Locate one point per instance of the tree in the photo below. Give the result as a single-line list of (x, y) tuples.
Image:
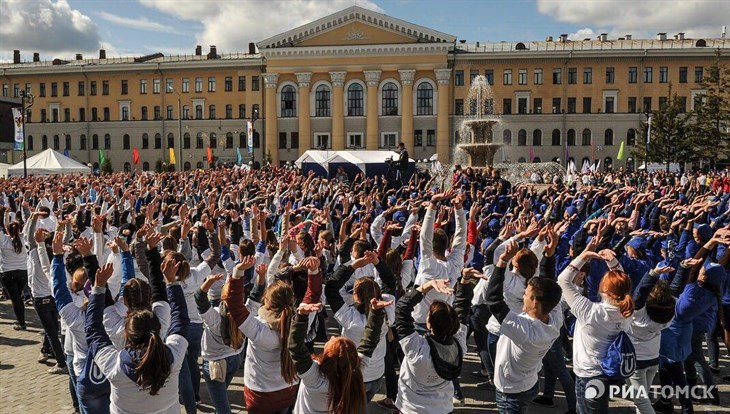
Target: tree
[(711, 114), (106, 166), (158, 165)]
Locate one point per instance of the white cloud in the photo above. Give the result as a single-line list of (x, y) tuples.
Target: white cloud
[(696, 18), (581, 34), (141, 23), (232, 25), (46, 26)]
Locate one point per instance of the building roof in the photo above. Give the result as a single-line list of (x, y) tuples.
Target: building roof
[(593, 45)]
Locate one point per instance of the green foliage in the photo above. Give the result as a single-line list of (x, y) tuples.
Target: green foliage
[(711, 115), (106, 166), (158, 165)]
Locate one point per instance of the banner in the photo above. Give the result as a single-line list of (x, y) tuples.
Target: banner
[(620, 155), (67, 153), (249, 133), (210, 155), (135, 156), (18, 121), (648, 130), (172, 155), (239, 157), (102, 158)]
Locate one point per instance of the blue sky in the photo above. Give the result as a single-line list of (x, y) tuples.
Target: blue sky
[(60, 28)]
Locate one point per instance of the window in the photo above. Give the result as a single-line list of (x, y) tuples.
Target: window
[(242, 140), (557, 76), (254, 111), (241, 83), (44, 142), (54, 89), (521, 105), (288, 102), (144, 113), (158, 140), (556, 106), (68, 142), (648, 72), (213, 141), (522, 77), (390, 99), (506, 106), (459, 107), (354, 140), (522, 138), (56, 143), (294, 144), (156, 83), (355, 100), (211, 84), (170, 140), (663, 102), (282, 140), (229, 140), (211, 111), (507, 77), (145, 141), (228, 84), (257, 139), (663, 74), (125, 87), (229, 111), (388, 140), (82, 114), (199, 140), (647, 105), (94, 114), (54, 115), (459, 78), (107, 141), (94, 142), (169, 85), (125, 141), (92, 92), (587, 75), (125, 113), (610, 75), (609, 105), (572, 75), (186, 112), (82, 88), (28, 89), (489, 74), (556, 138), (608, 137), (105, 87), (16, 90), (683, 74), (186, 140), (537, 105), (537, 138), (586, 137), (537, 77), (158, 113), (66, 89), (571, 138), (198, 111), (632, 105), (106, 113), (631, 137), (254, 83), (507, 137), (682, 104), (431, 137), (241, 111), (633, 74), (169, 112), (198, 85), (587, 105), (186, 85), (82, 142), (66, 115), (424, 99), (699, 74), (322, 101), (473, 75), (145, 166), (41, 92), (418, 138)]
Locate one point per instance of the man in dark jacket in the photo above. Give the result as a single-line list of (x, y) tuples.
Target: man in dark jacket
[(402, 165)]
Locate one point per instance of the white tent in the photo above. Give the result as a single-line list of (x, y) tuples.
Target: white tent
[(4, 170), (315, 156), (49, 162), (360, 158)]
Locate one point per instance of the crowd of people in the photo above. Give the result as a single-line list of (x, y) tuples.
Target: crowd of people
[(146, 282)]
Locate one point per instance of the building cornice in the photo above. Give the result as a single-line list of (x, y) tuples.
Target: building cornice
[(357, 50)]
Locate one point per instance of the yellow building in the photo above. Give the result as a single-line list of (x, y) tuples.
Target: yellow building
[(357, 79)]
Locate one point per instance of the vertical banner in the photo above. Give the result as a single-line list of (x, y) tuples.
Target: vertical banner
[(249, 133), (18, 121)]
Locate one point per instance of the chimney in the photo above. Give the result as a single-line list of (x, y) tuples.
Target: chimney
[(549, 39), (252, 48), (603, 37), (79, 56), (16, 56), (563, 38), (198, 50), (628, 37), (661, 36), (213, 54), (477, 44), (680, 35), (102, 54), (36, 57), (676, 37)]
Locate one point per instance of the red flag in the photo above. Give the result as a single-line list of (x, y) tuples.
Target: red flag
[(135, 156), (532, 154), (210, 156)]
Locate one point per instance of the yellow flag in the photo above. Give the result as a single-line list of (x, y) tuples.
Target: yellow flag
[(172, 155), (620, 155)]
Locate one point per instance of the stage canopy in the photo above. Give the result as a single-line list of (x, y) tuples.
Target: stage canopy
[(49, 162)]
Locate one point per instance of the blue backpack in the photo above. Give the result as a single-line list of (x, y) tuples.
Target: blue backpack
[(620, 360)]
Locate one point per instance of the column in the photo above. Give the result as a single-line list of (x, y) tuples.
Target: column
[(406, 116), (305, 134), (372, 79), (272, 128), (443, 139), (338, 110)]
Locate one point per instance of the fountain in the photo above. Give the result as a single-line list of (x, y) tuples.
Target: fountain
[(476, 137)]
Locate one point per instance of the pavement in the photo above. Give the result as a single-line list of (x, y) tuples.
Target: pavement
[(26, 387)]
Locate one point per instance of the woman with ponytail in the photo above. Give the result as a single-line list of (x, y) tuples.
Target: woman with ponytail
[(597, 324), (14, 270)]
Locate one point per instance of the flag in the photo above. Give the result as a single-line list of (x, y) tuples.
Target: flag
[(620, 155), (648, 130), (532, 154), (135, 156), (18, 121), (586, 167), (210, 155), (172, 155), (239, 157), (102, 157), (249, 132), (66, 153)]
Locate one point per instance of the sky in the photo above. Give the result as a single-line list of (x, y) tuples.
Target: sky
[(62, 28)]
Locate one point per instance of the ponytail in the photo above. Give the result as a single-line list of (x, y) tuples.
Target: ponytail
[(340, 363), (14, 233), (616, 287), (626, 306), (235, 334), (142, 332), (288, 369)]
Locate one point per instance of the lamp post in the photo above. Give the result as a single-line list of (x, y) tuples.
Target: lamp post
[(26, 100), (647, 114), (179, 128)]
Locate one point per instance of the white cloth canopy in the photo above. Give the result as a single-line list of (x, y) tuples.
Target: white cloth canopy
[(49, 162), (4, 170), (360, 158), (315, 156)]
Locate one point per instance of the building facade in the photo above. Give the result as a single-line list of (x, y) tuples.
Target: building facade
[(358, 79)]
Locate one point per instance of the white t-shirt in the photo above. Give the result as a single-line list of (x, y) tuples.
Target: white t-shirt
[(314, 388), (646, 335)]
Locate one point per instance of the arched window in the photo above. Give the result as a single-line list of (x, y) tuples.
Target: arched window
[(229, 140), (608, 137), (536, 159), (521, 160), (213, 141), (158, 140), (322, 101), (507, 137), (522, 138), (608, 164), (186, 166), (145, 141), (424, 99), (571, 137), (82, 142), (127, 167), (586, 137), (354, 100), (211, 112), (56, 143), (256, 139), (537, 138), (145, 166), (44, 142), (170, 140), (288, 102), (29, 141), (107, 141), (390, 99), (199, 165), (556, 137), (242, 140), (631, 137), (186, 140), (94, 141), (68, 142), (199, 140), (125, 141)]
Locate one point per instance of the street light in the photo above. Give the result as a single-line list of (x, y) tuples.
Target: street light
[(26, 102), (647, 114), (179, 127)]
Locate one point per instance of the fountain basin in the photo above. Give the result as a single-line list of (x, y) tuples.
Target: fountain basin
[(480, 155)]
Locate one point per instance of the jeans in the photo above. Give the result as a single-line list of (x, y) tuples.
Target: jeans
[(218, 391), (713, 345), (391, 363), (492, 347), (72, 380), (597, 388), (672, 373), (46, 309), (14, 281), (372, 388), (479, 318), (516, 403), (641, 382), (189, 378), (696, 361), (554, 367)]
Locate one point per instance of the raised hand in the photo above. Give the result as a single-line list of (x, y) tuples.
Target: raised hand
[(660, 270), (170, 269), (376, 304), (40, 235), (83, 245), (439, 285), (691, 262), (510, 251), (210, 280), (121, 243), (261, 269), (607, 255), (246, 263), (153, 239), (307, 308), (103, 274), (57, 245)]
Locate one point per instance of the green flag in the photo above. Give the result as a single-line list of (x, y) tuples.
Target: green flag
[(102, 157), (239, 157), (620, 155)]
